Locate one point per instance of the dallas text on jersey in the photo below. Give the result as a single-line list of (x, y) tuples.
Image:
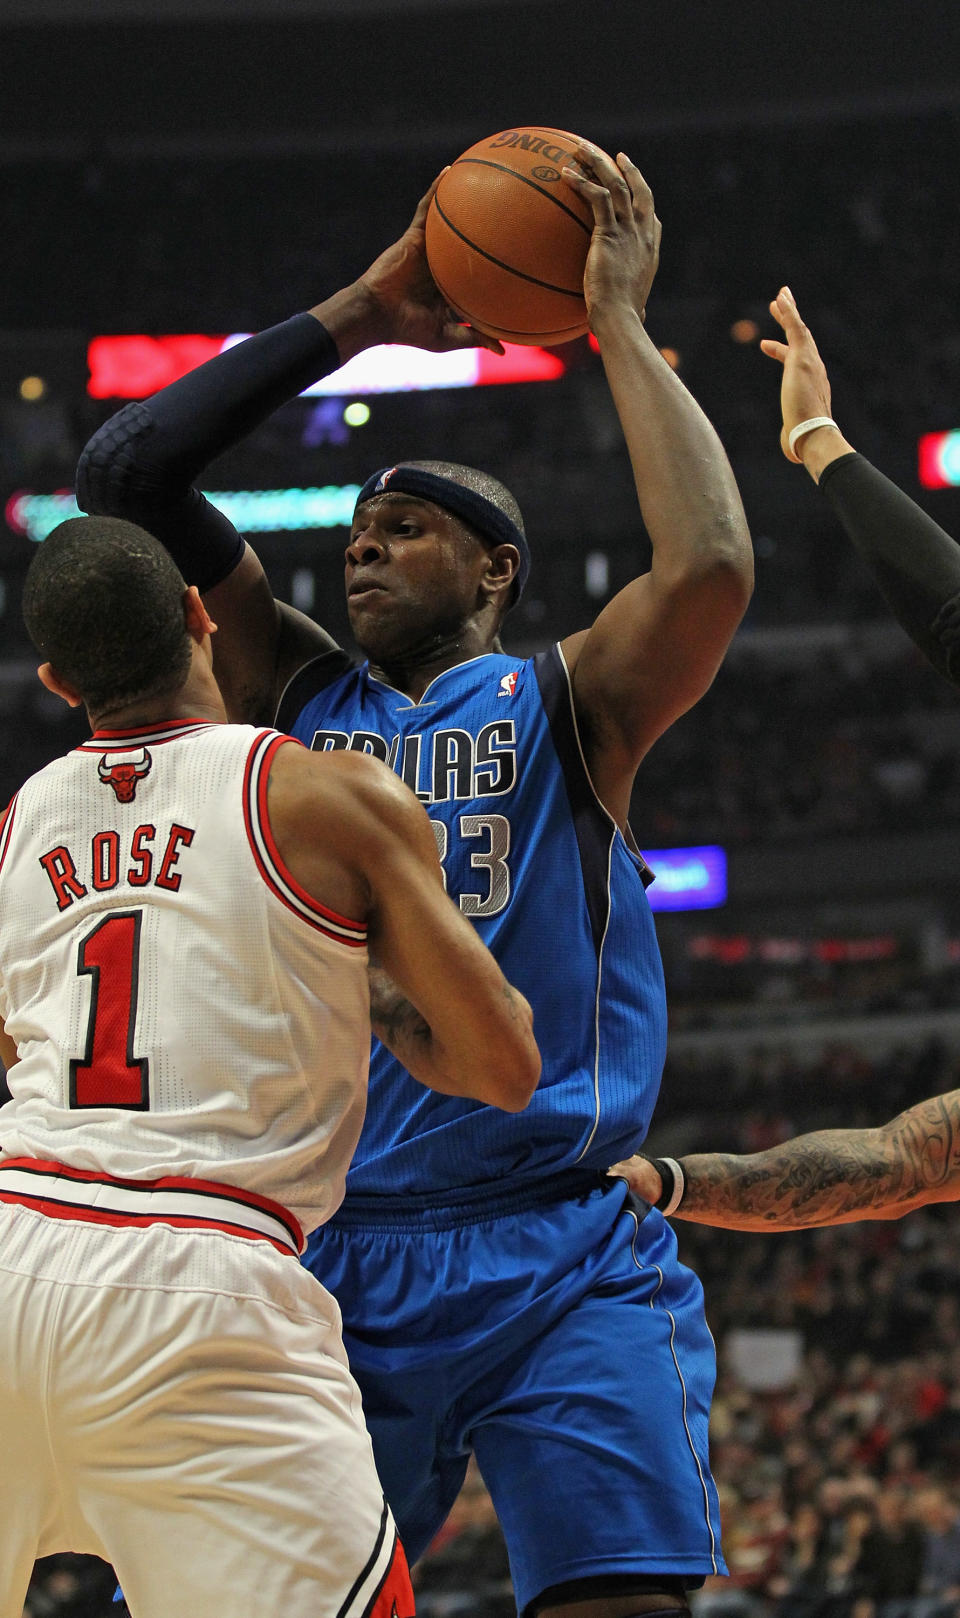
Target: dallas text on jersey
[(454, 765)]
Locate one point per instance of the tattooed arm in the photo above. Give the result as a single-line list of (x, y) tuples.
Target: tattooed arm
[(832, 1177), (409, 1037), (396, 1023)]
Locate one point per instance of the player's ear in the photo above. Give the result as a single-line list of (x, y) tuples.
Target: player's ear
[(503, 562), (48, 676), (196, 616)]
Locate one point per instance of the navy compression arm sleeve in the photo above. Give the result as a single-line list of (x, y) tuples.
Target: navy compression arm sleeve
[(142, 462), (914, 561)]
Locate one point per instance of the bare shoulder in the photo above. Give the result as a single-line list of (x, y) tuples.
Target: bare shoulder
[(344, 826), (349, 799)]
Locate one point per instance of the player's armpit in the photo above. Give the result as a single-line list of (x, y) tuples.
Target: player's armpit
[(260, 642), (300, 640), (651, 654), (358, 840)]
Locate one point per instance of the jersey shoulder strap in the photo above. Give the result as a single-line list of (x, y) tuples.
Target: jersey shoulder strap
[(556, 694), (6, 827)]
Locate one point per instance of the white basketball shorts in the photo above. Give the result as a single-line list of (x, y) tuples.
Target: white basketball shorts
[(178, 1402)]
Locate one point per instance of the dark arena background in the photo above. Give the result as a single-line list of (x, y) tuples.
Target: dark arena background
[(207, 168)]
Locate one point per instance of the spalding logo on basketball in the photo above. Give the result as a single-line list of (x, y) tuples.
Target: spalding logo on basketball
[(507, 238)]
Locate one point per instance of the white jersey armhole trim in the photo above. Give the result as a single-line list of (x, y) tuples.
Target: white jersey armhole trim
[(7, 830), (280, 881)]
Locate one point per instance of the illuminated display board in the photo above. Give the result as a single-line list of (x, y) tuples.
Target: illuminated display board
[(252, 511), (133, 367), (687, 878), (938, 456)]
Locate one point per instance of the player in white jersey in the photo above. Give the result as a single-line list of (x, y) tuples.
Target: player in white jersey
[(187, 908)]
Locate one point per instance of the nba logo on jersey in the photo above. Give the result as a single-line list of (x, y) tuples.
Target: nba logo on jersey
[(508, 684), (383, 480), (124, 772)]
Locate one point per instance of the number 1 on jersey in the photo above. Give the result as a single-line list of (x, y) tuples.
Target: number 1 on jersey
[(108, 1074)]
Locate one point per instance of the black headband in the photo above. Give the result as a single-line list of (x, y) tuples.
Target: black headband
[(474, 508)]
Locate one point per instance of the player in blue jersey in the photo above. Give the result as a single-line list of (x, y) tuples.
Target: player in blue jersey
[(500, 1294)]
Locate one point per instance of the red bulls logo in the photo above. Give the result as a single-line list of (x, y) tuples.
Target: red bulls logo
[(123, 772)]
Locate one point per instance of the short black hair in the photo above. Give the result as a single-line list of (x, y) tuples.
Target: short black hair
[(103, 604)]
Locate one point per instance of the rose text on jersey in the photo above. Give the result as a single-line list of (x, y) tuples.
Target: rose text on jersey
[(105, 863)]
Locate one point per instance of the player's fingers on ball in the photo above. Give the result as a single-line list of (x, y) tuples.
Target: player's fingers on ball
[(479, 339), (591, 157), (610, 175), (639, 189), (578, 181), (601, 168), (420, 212), (457, 333), (600, 200)]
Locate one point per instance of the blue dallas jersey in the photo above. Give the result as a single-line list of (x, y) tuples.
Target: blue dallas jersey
[(493, 753)]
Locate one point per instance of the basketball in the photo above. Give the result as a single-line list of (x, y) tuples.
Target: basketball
[(507, 238)]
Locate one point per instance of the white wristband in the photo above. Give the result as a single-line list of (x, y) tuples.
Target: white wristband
[(679, 1186), (807, 427)]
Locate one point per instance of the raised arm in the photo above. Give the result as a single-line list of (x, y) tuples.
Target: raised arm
[(915, 563), (655, 648), (354, 835), (831, 1177), (142, 463)]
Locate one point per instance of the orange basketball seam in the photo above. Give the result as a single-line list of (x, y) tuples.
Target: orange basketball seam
[(568, 332), (504, 168), (521, 274)]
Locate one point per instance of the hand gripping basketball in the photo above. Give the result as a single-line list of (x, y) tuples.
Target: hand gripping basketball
[(408, 306), (625, 244)]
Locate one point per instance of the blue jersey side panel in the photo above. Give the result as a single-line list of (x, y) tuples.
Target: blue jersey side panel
[(492, 752)]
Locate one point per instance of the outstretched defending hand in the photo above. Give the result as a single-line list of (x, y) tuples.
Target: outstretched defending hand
[(625, 245), (640, 1175), (805, 390), (403, 291)]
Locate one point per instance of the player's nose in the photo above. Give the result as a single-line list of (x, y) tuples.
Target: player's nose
[(365, 546)]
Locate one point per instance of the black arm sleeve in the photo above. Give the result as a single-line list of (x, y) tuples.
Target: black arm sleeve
[(142, 462), (914, 561)]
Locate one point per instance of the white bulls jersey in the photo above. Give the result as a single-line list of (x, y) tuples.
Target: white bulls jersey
[(182, 1007)]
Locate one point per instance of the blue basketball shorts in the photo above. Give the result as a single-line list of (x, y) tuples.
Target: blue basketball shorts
[(558, 1337)]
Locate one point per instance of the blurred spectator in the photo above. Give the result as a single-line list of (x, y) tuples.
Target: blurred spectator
[(890, 1562), (939, 1514)]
